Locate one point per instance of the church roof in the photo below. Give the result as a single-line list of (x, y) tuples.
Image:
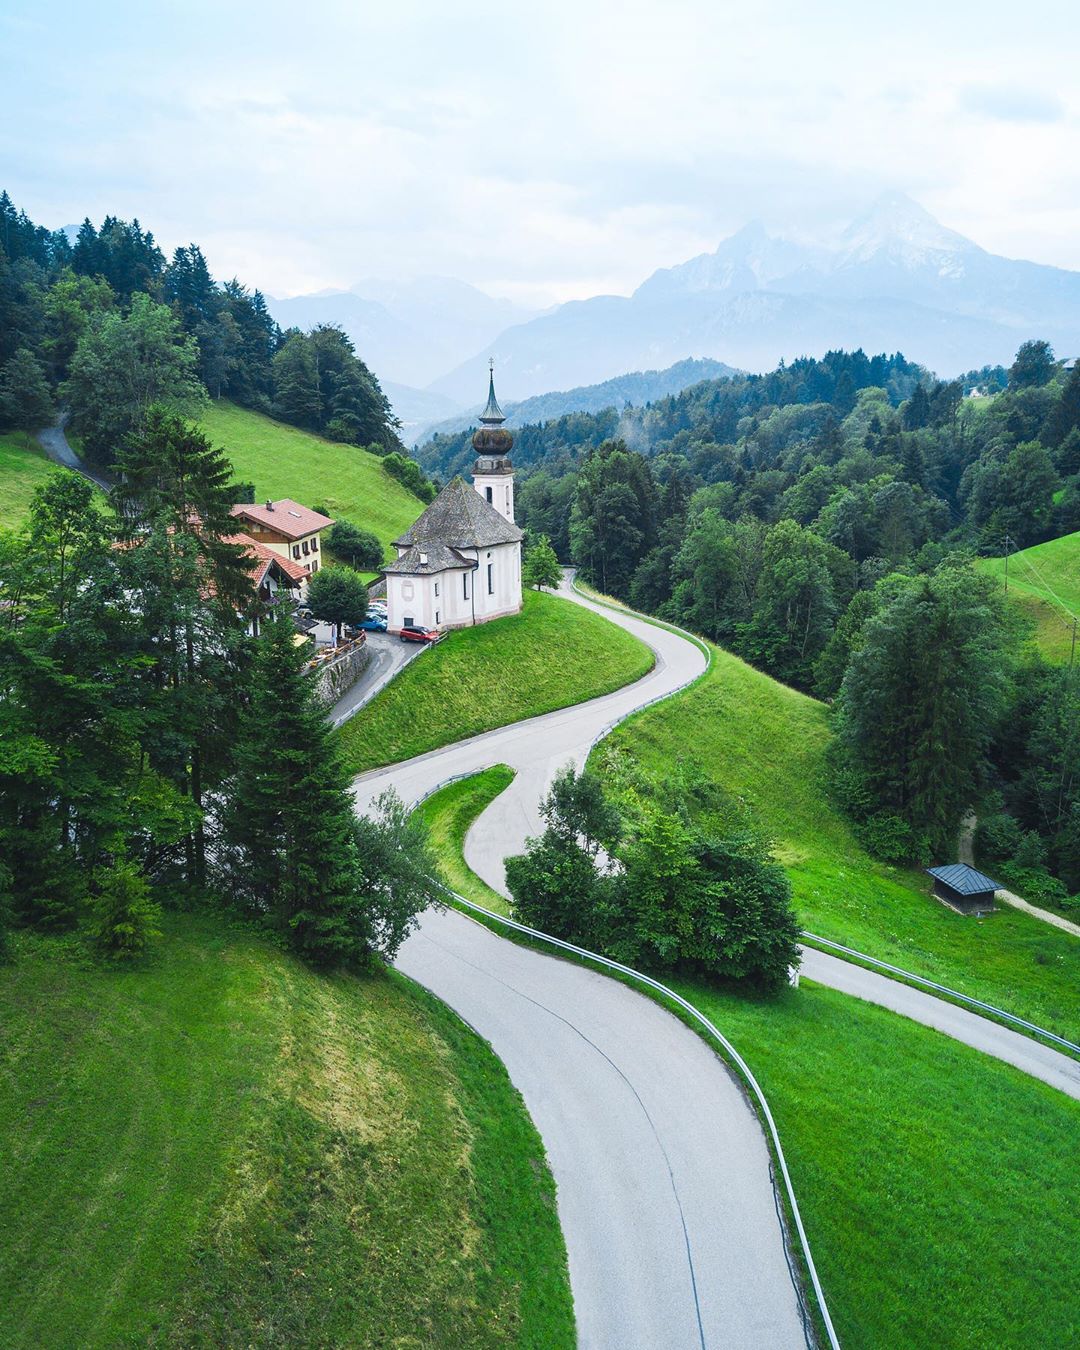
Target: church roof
[(458, 518), (419, 560)]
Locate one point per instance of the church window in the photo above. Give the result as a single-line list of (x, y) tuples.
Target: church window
[(436, 588), (491, 578), (406, 590), (487, 492), (437, 617), (465, 585)]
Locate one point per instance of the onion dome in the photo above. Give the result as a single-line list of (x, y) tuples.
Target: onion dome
[(492, 442)]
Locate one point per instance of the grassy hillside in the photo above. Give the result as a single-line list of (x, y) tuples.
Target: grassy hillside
[(224, 1149), (283, 461), (1044, 581), (887, 1128), (551, 655), (23, 468), (765, 744)]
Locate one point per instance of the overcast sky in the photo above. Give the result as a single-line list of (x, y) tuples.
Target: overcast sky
[(541, 151)]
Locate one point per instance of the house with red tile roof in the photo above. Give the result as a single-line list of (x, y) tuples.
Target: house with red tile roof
[(287, 529)]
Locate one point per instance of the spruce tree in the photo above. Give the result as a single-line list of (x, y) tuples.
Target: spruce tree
[(288, 823), (26, 401)]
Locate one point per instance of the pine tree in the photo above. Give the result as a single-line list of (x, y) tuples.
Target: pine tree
[(296, 384), (26, 401), (123, 914), (288, 824), (189, 585)]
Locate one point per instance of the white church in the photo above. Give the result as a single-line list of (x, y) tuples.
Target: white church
[(460, 562)]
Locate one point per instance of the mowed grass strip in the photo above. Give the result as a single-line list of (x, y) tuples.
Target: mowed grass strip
[(283, 461), (224, 1148), (448, 815), (23, 469), (1044, 582), (551, 655), (765, 744), (936, 1184)]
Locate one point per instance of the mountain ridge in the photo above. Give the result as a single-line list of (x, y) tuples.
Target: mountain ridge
[(896, 279)]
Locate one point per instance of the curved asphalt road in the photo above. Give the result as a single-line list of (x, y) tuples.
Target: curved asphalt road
[(663, 1174), (664, 1187)]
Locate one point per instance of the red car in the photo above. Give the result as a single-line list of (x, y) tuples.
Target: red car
[(418, 634)]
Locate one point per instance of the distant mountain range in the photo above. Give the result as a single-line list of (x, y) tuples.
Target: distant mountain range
[(640, 387), (897, 280), (408, 332)]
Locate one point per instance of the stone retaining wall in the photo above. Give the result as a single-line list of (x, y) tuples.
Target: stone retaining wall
[(333, 679)]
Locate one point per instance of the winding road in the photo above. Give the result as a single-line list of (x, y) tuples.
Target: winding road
[(664, 1186)]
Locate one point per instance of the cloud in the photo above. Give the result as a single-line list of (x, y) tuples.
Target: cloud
[(1008, 103)]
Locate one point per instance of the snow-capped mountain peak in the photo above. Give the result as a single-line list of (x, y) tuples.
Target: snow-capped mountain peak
[(898, 231)]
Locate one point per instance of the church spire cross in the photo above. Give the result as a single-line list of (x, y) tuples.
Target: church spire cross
[(493, 415)]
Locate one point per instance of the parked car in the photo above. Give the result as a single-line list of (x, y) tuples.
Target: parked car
[(417, 634), (375, 623)]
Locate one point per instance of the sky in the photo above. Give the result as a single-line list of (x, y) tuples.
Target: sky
[(542, 151)]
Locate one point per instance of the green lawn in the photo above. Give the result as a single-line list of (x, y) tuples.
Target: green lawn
[(551, 655), (23, 468), (283, 461), (222, 1148), (936, 1184), (448, 814), (765, 744), (1044, 581)]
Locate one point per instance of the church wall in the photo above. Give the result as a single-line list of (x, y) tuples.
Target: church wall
[(415, 597)]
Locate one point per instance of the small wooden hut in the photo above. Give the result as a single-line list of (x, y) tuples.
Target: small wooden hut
[(969, 891)]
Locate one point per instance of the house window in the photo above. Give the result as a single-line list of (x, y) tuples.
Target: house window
[(307, 548), (491, 578), (296, 551), (487, 493), (436, 588), (465, 585), (315, 565), (315, 545)]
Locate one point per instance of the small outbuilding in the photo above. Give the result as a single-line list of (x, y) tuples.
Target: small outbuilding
[(968, 890)]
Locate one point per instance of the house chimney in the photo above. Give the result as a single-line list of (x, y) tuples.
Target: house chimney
[(269, 504)]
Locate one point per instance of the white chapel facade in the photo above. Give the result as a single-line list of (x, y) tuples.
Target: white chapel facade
[(460, 563)]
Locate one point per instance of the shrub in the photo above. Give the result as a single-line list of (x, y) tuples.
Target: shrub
[(997, 836), (359, 548), (123, 916)]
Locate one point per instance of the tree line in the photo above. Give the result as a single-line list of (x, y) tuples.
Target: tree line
[(108, 327), (152, 752), (821, 522)]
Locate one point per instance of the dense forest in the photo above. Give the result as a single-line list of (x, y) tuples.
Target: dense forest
[(152, 749), (106, 326), (821, 521)]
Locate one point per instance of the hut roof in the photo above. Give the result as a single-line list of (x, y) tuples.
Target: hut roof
[(963, 879)]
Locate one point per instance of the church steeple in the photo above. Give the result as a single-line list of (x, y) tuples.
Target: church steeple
[(492, 473), (493, 415)]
